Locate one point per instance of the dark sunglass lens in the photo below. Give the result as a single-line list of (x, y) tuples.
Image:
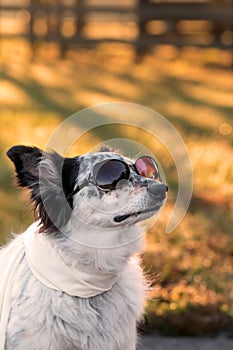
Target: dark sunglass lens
[(147, 167), (110, 173)]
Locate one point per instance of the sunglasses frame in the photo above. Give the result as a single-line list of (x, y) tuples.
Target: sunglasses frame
[(97, 167), (92, 176)]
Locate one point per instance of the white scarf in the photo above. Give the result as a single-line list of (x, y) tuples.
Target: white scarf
[(49, 268)]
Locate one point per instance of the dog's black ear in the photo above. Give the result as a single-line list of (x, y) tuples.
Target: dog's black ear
[(50, 178), (26, 160)]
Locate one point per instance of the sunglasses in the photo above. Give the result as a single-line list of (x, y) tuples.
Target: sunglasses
[(114, 173)]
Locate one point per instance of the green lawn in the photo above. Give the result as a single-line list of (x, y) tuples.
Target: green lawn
[(192, 267)]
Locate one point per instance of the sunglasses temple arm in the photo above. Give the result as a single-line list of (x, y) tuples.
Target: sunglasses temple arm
[(72, 193)]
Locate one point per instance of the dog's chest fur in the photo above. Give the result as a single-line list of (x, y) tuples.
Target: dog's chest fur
[(45, 319)]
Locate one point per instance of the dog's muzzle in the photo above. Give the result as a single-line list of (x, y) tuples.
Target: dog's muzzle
[(157, 191)]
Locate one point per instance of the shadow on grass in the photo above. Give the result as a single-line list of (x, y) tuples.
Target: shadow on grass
[(156, 96), (172, 87), (219, 213), (196, 320), (40, 95), (175, 87)]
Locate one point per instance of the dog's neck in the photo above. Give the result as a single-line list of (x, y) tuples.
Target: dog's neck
[(55, 273), (92, 248)]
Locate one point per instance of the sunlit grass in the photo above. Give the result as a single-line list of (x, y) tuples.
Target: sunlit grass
[(192, 267)]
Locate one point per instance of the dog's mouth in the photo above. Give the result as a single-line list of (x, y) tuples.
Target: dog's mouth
[(120, 218)]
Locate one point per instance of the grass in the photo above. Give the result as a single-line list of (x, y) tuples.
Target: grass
[(192, 267)]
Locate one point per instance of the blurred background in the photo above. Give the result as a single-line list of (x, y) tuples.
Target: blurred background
[(57, 57)]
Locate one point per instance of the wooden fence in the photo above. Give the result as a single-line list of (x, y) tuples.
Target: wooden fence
[(141, 23), (185, 23)]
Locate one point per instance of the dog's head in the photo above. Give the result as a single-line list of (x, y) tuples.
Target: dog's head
[(102, 189)]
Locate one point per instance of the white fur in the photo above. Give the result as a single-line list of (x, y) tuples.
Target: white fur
[(46, 319), (42, 318)]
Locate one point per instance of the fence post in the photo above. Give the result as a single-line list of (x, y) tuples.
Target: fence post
[(140, 47), (31, 26)]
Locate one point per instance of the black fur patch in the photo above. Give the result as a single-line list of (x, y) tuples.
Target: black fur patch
[(50, 178)]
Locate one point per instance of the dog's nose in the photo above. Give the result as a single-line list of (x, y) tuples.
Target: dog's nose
[(158, 190)]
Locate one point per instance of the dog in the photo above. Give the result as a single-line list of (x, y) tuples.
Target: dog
[(77, 283)]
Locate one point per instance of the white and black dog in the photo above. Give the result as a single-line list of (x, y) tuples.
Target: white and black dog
[(76, 285)]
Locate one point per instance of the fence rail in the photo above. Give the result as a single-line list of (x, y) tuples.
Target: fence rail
[(185, 10)]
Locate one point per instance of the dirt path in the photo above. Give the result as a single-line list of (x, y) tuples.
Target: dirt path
[(176, 343)]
